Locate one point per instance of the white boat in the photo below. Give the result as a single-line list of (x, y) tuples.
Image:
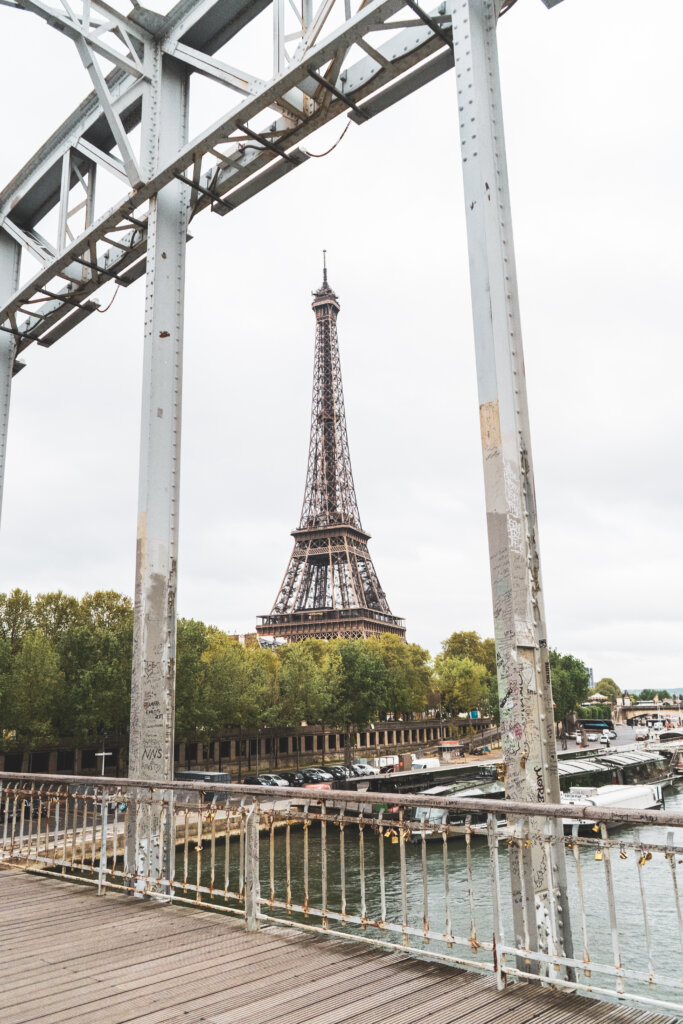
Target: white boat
[(427, 820), (641, 796)]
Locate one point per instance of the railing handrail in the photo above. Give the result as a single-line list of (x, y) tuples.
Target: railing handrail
[(216, 845), (467, 804)]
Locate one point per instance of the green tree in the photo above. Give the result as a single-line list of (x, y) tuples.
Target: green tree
[(570, 680), (463, 682), (488, 656), (106, 609), (359, 680), (113, 679), (490, 703), (54, 613), (240, 686), (319, 705), (16, 617), (34, 679), (263, 688), (94, 692), (194, 713), (298, 681), (649, 694), (464, 645), (77, 713), (481, 652), (408, 675), (5, 690), (305, 686), (225, 667), (608, 688)]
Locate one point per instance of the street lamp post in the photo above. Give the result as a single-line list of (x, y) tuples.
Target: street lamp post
[(104, 754)]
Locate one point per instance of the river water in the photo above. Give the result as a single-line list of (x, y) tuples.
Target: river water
[(470, 906)]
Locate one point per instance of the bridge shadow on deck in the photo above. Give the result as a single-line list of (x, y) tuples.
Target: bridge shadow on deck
[(67, 955)]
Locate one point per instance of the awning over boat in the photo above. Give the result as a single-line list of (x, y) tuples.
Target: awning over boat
[(585, 766), (484, 789), (490, 791), (631, 757)]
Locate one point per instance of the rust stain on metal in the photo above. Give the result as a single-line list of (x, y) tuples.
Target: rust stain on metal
[(489, 418)]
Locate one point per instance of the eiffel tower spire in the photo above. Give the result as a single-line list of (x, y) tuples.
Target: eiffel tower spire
[(330, 588)]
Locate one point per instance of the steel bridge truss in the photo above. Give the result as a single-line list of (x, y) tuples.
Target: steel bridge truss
[(367, 61), (128, 149)]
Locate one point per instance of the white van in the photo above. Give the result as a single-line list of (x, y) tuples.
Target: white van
[(424, 764)]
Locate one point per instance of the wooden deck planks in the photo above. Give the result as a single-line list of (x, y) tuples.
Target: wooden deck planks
[(68, 956)]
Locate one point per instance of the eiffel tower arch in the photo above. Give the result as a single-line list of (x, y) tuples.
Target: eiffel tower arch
[(330, 588)]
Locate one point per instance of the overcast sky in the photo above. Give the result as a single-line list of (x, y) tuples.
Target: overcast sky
[(593, 125)]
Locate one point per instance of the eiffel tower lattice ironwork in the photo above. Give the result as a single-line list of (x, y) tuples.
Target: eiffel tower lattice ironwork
[(330, 588)]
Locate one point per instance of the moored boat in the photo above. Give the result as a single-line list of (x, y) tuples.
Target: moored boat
[(643, 796), (426, 820)]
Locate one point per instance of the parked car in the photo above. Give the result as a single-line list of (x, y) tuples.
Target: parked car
[(641, 734), (361, 768), (592, 736), (255, 780), (292, 778), (313, 775), (272, 780), (338, 771)]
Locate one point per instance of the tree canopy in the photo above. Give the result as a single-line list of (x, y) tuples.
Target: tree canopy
[(607, 688), (65, 670), (570, 681), (466, 676), (649, 694), (462, 682)]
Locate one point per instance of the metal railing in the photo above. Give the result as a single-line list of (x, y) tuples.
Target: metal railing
[(431, 876)]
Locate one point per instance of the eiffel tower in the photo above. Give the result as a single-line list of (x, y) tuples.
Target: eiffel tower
[(330, 588)]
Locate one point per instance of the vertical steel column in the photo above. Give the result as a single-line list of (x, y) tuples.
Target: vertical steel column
[(279, 59), (10, 261), (252, 883), (150, 846), (526, 703)]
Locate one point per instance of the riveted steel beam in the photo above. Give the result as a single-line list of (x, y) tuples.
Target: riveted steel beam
[(526, 703), (10, 260), (154, 639), (402, 51)]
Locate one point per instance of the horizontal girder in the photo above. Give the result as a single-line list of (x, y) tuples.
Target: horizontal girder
[(227, 163), (202, 25)]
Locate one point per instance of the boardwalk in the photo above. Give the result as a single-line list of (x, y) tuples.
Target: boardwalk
[(67, 955)]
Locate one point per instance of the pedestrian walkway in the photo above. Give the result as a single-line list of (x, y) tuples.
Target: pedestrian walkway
[(67, 955)]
